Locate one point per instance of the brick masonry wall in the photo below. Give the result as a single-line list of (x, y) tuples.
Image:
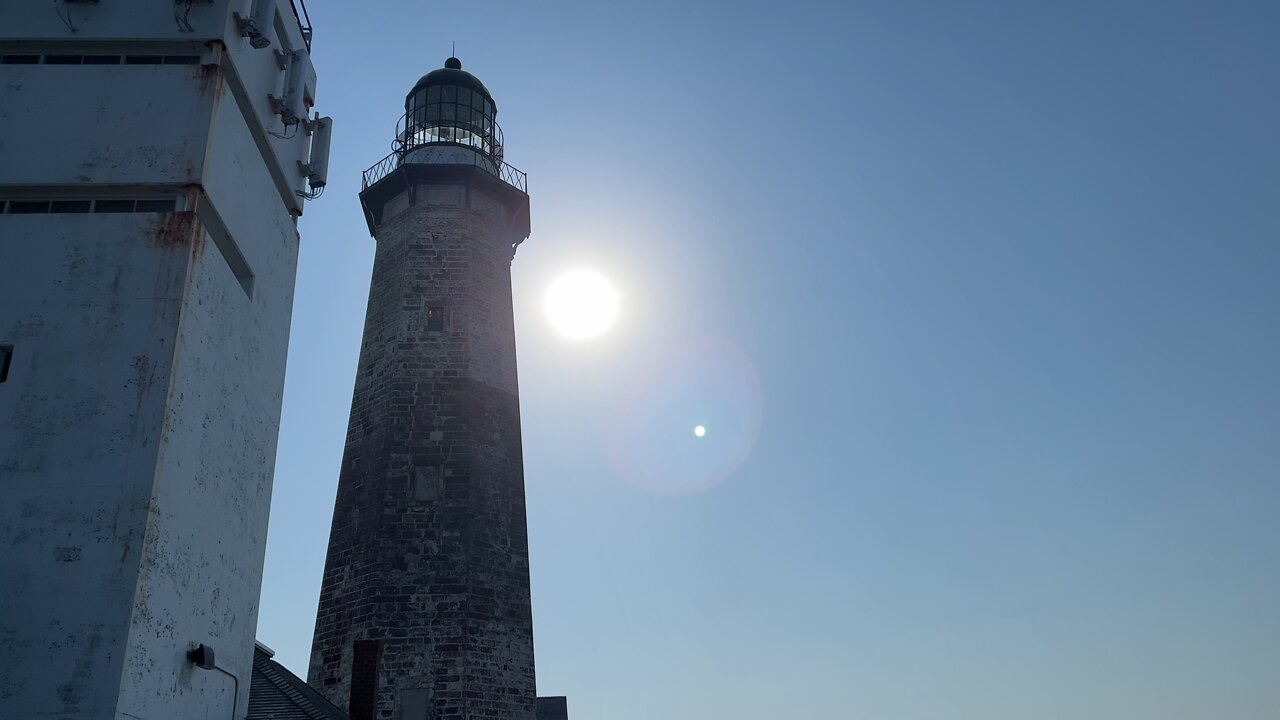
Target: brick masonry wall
[(428, 552)]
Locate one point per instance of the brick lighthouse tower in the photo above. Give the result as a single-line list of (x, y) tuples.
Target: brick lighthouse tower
[(424, 608)]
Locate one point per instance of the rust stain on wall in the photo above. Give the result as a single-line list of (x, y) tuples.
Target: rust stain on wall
[(211, 77), (176, 228)]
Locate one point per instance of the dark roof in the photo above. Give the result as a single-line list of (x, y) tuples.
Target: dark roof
[(453, 74), (277, 694), (553, 707)]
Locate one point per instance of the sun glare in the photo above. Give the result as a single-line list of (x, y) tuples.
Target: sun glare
[(581, 304), (700, 431)]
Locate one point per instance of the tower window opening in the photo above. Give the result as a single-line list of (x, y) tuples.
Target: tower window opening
[(435, 318), (428, 483), (6, 359)]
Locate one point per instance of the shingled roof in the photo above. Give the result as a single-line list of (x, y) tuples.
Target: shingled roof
[(277, 694)]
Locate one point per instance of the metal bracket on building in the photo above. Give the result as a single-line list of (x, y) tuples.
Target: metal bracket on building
[(281, 108), (257, 27)]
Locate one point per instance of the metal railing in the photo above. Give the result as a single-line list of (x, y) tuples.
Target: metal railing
[(507, 173), (304, 21)]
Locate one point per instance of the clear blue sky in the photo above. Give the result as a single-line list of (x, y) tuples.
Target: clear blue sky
[(979, 302)]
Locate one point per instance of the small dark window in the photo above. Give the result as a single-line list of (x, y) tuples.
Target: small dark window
[(428, 483), (101, 59), (113, 206), (63, 59), (6, 359), (181, 59), (20, 59), (155, 205), (70, 206), (27, 207), (435, 318), (143, 59), (415, 703)]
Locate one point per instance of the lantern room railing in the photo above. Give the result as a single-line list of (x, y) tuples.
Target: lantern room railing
[(508, 174), (449, 124)]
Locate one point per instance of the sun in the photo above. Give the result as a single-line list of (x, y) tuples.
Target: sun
[(581, 304)]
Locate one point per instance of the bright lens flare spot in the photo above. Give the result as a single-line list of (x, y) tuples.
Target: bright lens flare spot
[(699, 431), (581, 304)]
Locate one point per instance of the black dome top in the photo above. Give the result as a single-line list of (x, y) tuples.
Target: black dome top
[(453, 74)]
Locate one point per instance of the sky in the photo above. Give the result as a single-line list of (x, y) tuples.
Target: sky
[(978, 303)]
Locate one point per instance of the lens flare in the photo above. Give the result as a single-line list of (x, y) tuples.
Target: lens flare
[(712, 380)]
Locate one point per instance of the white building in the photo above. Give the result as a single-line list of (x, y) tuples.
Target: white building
[(154, 158)]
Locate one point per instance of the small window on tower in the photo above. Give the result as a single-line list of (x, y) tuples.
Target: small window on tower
[(427, 484), (435, 318)]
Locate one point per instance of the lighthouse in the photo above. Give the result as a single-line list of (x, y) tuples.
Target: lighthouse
[(424, 608)]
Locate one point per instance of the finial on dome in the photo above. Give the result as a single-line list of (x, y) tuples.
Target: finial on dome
[(453, 63)]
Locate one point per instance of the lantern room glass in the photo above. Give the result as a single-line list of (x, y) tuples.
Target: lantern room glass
[(454, 115)]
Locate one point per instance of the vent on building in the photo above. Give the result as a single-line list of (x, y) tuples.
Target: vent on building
[(26, 207), (99, 59), (70, 206), (112, 205)]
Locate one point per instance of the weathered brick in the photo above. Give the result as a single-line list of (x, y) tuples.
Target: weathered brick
[(438, 576)]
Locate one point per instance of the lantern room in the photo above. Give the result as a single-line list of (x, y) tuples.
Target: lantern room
[(450, 107)]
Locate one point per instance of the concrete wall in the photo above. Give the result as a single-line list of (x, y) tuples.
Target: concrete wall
[(139, 418), (82, 115), (81, 412), (64, 125)]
